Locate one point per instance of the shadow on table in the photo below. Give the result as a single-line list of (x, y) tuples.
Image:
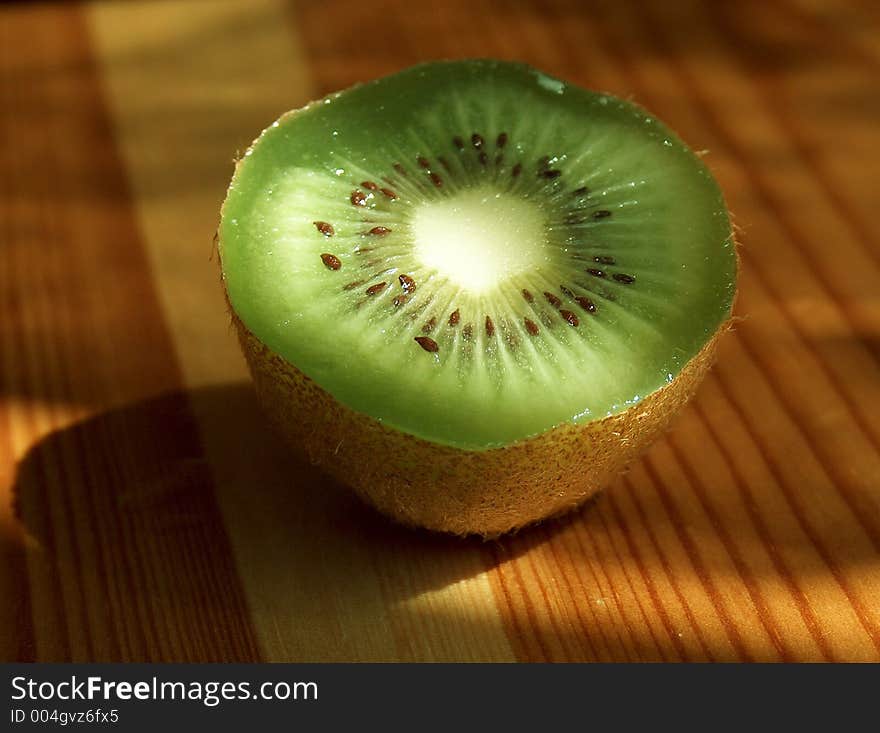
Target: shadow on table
[(157, 520)]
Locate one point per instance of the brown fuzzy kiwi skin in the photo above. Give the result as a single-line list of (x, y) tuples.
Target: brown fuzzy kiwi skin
[(438, 487), (463, 492)]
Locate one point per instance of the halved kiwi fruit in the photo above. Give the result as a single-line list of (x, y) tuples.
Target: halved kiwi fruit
[(472, 291)]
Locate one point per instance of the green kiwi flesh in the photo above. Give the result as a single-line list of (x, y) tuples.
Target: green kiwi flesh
[(472, 292), (473, 253)]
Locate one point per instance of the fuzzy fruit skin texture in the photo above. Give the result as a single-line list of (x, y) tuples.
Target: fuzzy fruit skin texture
[(438, 487)]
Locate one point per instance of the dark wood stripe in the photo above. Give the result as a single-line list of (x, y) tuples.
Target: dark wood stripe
[(586, 628), (790, 492), (618, 559), (52, 621), (147, 568), (17, 634), (831, 43), (745, 574), (17, 639), (601, 564), (20, 377), (659, 608), (785, 574), (774, 99), (859, 507), (523, 633), (558, 561), (667, 569), (82, 565), (556, 640), (696, 560)]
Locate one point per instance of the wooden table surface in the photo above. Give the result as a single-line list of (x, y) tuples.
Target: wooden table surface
[(147, 511)]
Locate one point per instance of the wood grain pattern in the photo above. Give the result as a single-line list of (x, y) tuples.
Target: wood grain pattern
[(112, 502), (147, 511)]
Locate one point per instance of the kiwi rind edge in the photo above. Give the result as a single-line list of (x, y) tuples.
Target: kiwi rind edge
[(447, 489)]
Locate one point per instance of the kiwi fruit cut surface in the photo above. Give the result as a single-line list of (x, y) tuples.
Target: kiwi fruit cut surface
[(474, 292)]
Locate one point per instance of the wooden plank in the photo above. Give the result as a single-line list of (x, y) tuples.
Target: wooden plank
[(111, 492)]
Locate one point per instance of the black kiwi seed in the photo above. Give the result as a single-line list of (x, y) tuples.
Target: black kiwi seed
[(407, 283), (582, 191), (604, 260), (325, 228), (389, 193), (435, 179), (528, 296), (358, 198), (424, 162), (595, 273), (377, 288), (454, 317), (490, 327), (331, 261), (379, 231), (427, 343), (570, 317), (458, 142), (502, 140), (624, 278), (588, 305), (552, 299), (551, 173), (601, 214), (400, 169), (531, 326), (477, 140), (369, 185), (517, 169)]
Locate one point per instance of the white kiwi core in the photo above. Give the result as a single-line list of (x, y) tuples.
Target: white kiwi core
[(479, 238)]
